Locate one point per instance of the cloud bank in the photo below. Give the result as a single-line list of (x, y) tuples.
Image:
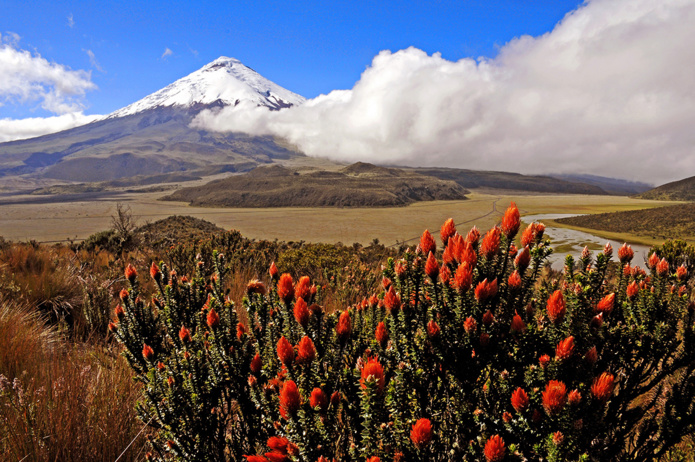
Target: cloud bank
[(26, 78), (609, 91)]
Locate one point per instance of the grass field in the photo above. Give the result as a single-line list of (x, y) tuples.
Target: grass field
[(79, 219)]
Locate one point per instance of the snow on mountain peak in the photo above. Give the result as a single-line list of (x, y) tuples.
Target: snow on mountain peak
[(224, 79)]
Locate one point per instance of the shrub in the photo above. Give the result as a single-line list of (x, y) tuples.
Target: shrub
[(465, 354)]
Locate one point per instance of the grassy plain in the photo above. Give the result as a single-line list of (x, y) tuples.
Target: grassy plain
[(78, 219)]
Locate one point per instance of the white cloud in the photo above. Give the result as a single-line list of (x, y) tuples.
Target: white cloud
[(27, 78), (18, 129), (71, 21), (167, 52), (609, 91), (93, 61)]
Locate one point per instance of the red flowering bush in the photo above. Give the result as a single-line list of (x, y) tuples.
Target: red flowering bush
[(464, 353)]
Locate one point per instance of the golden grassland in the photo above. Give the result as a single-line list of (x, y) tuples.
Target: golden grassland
[(79, 219)]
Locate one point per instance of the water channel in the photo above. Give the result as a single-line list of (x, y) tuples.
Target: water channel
[(566, 241)]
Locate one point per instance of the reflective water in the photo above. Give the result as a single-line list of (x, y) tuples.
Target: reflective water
[(566, 241)]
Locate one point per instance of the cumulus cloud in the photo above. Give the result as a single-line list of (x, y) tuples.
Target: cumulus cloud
[(609, 91), (18, 129), (167, 52), (27, 78)]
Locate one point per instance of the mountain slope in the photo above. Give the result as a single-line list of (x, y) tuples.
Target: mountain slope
[(152, 136), (682, 190)]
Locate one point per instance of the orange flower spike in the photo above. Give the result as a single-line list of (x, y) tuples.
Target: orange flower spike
[(514, 282), (473, 236), (255, 458), (301, 313), (556, 307), (681, 272), (147, 352), (303, 288), (318, 399), (213, 319), (240, 331), (528, 237), (523, 259), (520, 400), (518, 324), (463, 278), (491, 243), (373, 459), (632, 290), (131, 273), (306, 351), (511, 221), (574, 398), (653, 260), (391, 300), (591, 356), (544, 360), (256, 364), (605, 305), (289, 398), (286, 288), (432, 267), (447, 231), (119, 312), (565, 349), (273, 271), (495, 450), (445, 275), (625, 254), (433, 329), (381, 334), (662, 267), (184, 335), (427, 243), (554, 397), (602, 388), (470, 325), (123, 294), (421, 433), (278, 444), (373, 370), (285, 351), (155, 273), (344, 326)]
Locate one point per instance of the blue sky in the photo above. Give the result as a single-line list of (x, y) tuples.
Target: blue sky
[(309, 47)]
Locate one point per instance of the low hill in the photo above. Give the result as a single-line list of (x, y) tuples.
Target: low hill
[(683, 190), (612, 186), (176, 229), (474, 179), (357, 185), (673, 221)]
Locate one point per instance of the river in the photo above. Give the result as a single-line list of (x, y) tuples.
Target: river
[(566, 241)]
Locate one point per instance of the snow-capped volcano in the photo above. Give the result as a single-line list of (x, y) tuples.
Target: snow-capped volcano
[(226, 81)]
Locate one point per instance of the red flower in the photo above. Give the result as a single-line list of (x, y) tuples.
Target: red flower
[(544, 360), (463, 278), (391, 300), (373, 370), (285, 351), (318, 399), (373, 459), (608, 250), (625, 253), (433, 329), (602, 387), (277, 457), (653, 260), (511, 221), (213, 318), (565, 348), (381, 334), (470, 325), (399, 269), (185, 335), (278, 444), (494, 449), (681, 272), (240, 331), (432, 267), (306, 352), (632, 290), (491, 243), (448, 230), (467, 255), (532, 234), (591, 356), (523, 259), (303, 288), (518, 324), (154, 272), (301, 312), (273, 271), (514, 281), (427, 243), (344, 326), (254, 458), (147, 352), (113, 326), (118, 311), (289, 399), (605, 306), (485, 290), (445, 275), (473, 235), (421, 433), (554, 397), (286, 288), (124, 294), (130, 273), (662, 267), (574, 397), (488, 318), (556, 307), (256, 364), (558, 438), (507, 417), (520, 400)]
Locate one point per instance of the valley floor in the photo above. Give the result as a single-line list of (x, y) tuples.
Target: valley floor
[(79, 218)]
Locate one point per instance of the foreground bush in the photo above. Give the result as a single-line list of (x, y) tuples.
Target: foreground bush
[(466, 354)]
